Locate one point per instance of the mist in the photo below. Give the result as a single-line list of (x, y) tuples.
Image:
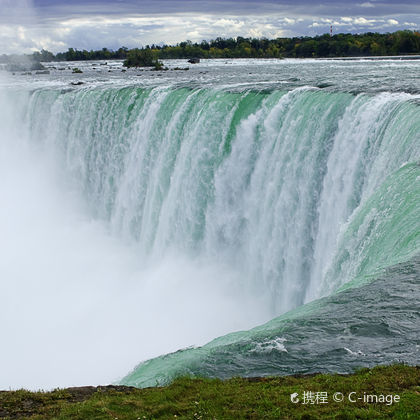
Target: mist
[(78, 305)]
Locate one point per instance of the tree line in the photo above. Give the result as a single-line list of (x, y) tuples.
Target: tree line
[(322, 46)]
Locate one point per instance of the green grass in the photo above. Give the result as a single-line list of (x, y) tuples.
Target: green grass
[(239, 398)]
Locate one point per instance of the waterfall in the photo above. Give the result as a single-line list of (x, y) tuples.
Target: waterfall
[(264, 183), (162, 217)]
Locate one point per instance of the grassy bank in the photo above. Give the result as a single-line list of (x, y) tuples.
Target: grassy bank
[(256, 398)]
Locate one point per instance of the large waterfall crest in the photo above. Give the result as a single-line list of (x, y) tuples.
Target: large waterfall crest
[(263, 183), (152, 219)]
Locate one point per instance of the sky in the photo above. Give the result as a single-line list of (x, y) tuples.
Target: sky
[(56, 25)]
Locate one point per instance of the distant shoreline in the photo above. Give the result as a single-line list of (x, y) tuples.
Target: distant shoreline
[(339, 46)]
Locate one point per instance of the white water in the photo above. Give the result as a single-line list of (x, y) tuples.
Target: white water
[(77, 305)]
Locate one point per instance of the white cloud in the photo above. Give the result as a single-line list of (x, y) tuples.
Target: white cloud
[(289, 21), (354, 23), (364, 21), (94, 32), (193, 34), (367, 4), (20, 32), (255, 33), (229, 24)]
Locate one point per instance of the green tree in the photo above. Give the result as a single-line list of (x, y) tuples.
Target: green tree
[(141, 58)]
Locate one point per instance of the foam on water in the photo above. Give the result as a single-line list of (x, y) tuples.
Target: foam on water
[(79, 306)]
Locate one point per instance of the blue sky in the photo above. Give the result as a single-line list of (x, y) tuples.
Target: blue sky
[(56, 25)]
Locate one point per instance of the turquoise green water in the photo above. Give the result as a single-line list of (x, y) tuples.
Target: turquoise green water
[(265, 182), (309, 196)]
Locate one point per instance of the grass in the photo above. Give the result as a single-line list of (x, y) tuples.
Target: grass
[(238, 398)]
